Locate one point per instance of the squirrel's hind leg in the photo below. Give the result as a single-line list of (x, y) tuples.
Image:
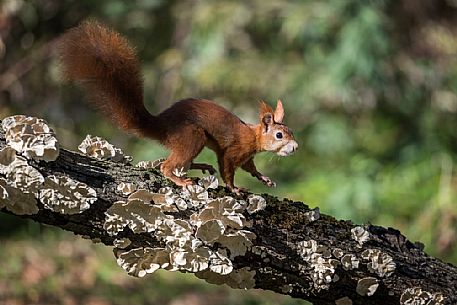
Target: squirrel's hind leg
[(184, 148), (227, 170)]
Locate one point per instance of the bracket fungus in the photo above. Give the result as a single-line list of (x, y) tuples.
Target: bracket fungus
[(256, 203), (210, 230), (158, 198), (379, 262), (20, 185), (220, 263), (197, 260), (101, 149), (7, 156), (350, 261), (319, 259), (225, 209), (323, 272), (413, 296), (66, 196), (237, 241), (23, 176), (18, 173), (31, 137), (337, 252), (367, 286), (313, 215), (239, 279), (150, 164), (138, 215), (16, 201), (196, 195), (205, 245), (175, 256), (190, 197), (209, 182), (141, 261), (306, 248), (125, 188), (177, 233), (360, 235), (3, 192)]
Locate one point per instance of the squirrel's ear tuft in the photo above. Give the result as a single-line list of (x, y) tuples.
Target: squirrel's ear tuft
[(279, 112), (265, 108), (266, 115)]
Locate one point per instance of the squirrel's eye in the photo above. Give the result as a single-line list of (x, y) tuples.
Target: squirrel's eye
[(279, 135)]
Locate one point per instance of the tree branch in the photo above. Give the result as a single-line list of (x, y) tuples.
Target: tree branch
[(296, 250)]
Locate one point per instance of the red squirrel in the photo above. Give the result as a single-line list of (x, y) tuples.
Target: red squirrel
[(106, 66)]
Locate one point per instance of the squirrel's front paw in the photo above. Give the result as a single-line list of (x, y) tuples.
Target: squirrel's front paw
[(267, 181)]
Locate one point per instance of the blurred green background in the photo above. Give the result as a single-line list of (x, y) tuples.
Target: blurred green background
[(369, 87)]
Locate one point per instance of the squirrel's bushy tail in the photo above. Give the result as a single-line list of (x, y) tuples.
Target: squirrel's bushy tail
[(104, 63)]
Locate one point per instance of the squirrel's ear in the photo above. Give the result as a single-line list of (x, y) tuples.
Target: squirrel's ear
[(267, 121), (266, 115), (279, 112)]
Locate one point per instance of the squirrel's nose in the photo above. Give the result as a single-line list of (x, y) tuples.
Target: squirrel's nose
[(294, 146)]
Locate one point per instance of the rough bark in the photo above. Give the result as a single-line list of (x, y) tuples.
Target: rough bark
[(279, 229)]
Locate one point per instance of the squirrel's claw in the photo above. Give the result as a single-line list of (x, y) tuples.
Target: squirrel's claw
[(267, 181)]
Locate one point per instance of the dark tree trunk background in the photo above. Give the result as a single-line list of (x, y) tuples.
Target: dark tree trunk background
[(279, 229)]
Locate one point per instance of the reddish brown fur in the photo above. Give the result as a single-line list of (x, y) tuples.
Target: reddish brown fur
[(107, 66), (193, 124)]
